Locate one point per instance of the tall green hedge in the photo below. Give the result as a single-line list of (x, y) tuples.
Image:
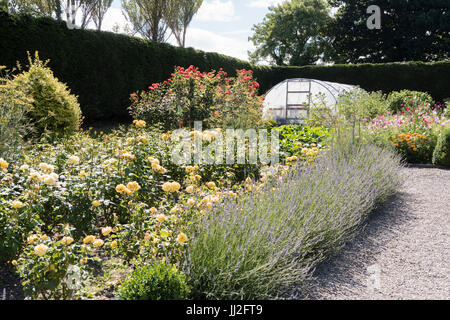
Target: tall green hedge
[(433, 78), (103, 68)]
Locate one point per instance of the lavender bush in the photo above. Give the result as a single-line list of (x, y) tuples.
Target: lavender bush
[(260, 246)]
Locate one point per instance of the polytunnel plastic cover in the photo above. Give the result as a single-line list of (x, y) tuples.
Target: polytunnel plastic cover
[(289, 101)]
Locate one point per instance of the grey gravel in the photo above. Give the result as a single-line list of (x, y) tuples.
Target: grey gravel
[(406, 243)]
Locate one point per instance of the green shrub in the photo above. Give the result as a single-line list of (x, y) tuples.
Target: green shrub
[(54, 108), (14, 123), (154, 282), (358, 104), (398, 100), (441, 154), (220, 101)]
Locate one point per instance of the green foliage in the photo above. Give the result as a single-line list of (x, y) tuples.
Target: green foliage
[(54, 108), (158, 281), (220, 101), (14, 121), (295, 138), (385, 77), (441, 154), (15, 224), (4, 5), (406, 98), (269, 241), (103, 68), (358, 104), (51, 267), (413, 132), (292, 33), (417, 31)]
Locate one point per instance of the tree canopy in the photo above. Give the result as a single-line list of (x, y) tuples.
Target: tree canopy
[(300, 32), (410, 30), (292, 33)]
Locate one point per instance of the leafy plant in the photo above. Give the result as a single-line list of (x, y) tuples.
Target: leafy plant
[(271, 239), (54, 108), (190, 96), (399, 100), (158, 281), (15, 125), (441, 154), (51, 267)]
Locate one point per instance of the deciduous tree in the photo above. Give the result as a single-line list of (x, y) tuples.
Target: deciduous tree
[(293, 33), (179, 16), (410, 30)]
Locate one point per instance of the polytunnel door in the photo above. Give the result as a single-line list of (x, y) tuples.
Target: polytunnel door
[(297, 99)]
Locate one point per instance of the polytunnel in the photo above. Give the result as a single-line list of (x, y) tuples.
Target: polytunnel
[(289, 101)]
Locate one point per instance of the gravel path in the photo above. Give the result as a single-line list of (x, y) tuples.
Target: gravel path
[(404, 250)]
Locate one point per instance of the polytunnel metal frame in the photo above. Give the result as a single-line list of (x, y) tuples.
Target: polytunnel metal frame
[(300, 106)]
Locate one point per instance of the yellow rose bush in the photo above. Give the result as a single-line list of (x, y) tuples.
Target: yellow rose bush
[(119, 194)]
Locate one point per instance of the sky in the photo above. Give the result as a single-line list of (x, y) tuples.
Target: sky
[(221, 26)]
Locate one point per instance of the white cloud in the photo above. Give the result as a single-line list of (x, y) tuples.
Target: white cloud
[(213, 42), (264, 3), (216, 10), (232, 43)]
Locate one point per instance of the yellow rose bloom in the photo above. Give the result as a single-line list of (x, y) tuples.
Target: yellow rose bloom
[(83, 174), (67, 240), (44, 237), (161, 218), (48, 168), (73, 160), (133, 186), (96, 203), (211, 185), (31, 239), (191, 202), (153, 210), (106, 231), (114, 244), (167, 187), (89, 239), (35, 176), (98, 243), (155, 166), (40, 250), (182, 238), (174, 210), (175, 186), (122, 189), (17, 204), (3, 164), (190, 189), (142, 139)]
